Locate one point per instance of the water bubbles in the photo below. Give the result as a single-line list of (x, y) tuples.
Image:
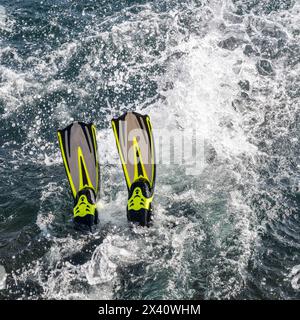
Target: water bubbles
[(295, 275), (208, 66), (3, 277)]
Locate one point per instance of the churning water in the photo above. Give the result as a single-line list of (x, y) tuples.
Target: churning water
[(226, 68)]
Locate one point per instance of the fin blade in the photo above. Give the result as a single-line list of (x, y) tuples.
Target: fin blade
[(135, 144), (80, 156)]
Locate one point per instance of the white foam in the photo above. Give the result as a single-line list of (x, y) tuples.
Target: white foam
[(3, 276), (295, 275), (196, 91)]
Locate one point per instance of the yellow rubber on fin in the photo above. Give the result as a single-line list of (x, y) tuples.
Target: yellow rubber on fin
[(138, 155), (152, 153), (137, 201), (96, 152), (83, 207), (66, 165), (81, 160), (121, 156)]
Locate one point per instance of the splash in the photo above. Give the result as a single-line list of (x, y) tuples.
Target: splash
[(228, 72)]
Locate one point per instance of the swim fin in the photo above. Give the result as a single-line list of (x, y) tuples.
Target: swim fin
[(135, 144), (78, 147)]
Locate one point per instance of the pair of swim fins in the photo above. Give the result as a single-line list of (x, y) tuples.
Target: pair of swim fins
[(135, 144)]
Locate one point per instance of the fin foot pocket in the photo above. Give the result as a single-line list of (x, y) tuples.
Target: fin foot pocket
[(139, 209), (85, 223), (85, 211), (141, 217)]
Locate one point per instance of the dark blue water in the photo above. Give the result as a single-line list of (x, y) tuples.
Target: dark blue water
[(229, 69)]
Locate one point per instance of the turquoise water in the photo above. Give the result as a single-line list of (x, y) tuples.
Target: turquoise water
[(229, 69)]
